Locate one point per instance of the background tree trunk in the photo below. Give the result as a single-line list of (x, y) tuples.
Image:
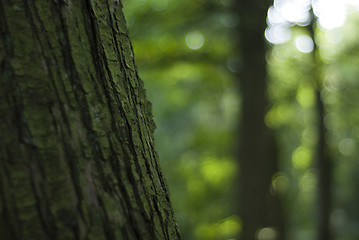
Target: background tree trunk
[(258, 206), (77, 158), (323, 159)]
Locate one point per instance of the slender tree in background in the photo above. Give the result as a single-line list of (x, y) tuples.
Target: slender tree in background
[(76, 153), (323, 160), (258, 206)]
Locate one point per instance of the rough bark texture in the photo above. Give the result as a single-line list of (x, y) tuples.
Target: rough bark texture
[(77, 159), (258, 207)]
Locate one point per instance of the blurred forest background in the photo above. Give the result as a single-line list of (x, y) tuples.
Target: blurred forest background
[(256, 107)]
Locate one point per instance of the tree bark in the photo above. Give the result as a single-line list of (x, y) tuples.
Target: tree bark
[(77, 158), (258, 206)]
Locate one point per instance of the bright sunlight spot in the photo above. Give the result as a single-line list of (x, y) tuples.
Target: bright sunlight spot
[(330, 13), (277, 34), (194, 40), (283, 14), (293, 10), (304, 43)]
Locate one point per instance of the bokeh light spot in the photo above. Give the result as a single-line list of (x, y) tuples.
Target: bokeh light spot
[(307, 186), (305, 96), (230, 226), (331, 13), (194, 40), (266, 234), (217, 171), (304, 43), (280, 182), (334, 35), (301, 157), (277, 34), (234, 64), (346, 147), (338, 218), (225, 229)]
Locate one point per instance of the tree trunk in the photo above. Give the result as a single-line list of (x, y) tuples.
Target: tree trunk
[(77, 158), (323, 160), (324, 175), (258, 207)]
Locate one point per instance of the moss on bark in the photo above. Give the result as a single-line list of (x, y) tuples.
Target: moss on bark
[(77, 158)]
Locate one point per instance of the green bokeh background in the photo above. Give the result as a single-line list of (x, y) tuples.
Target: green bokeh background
[(184, 53)]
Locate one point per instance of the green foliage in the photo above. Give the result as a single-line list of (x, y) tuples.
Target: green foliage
[(182, 49), (293, 116), (184, 54)]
